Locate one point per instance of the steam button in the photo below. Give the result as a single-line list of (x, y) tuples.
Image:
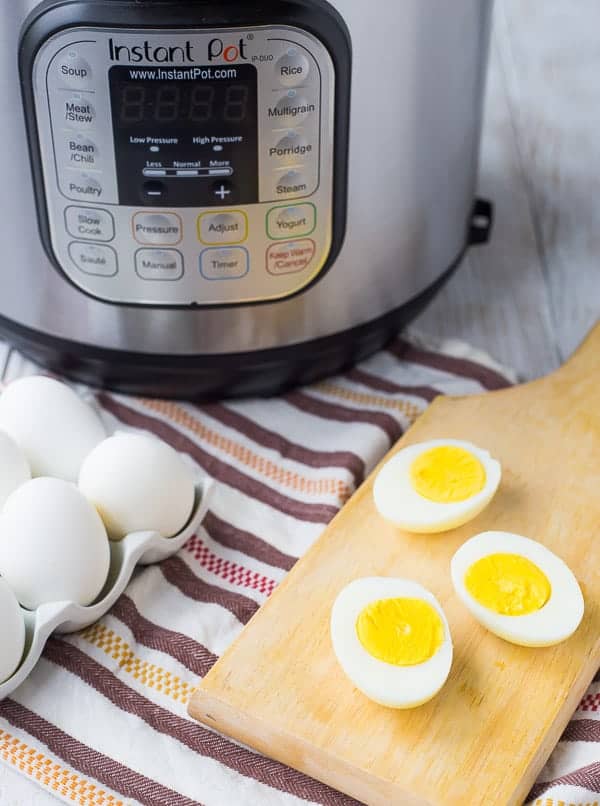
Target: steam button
[(72, 70), (292, 183), (292, 68)]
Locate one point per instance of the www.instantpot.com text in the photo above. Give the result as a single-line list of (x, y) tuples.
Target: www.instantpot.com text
[(185, 74)]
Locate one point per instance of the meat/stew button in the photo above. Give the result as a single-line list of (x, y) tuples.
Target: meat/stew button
[(290, 257)]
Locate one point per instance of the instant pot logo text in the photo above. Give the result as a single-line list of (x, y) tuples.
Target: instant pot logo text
[(151, 53), (229, 53)]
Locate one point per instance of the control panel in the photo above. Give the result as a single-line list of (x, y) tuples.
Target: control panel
[(187, 167)]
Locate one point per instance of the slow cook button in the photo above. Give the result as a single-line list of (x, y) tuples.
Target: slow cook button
[(290, 222), (93, 258), (224, 264), (81, 186), (79, 151), (159, 264), (72, 70), (89, 223), (292, 68), (78, 112), (158, 229), (290, 257), (290, 110), (225, 227)]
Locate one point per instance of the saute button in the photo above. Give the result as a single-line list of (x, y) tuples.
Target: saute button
[(289, 222), (81, 186), (89, 223), (72, 70), (224, 264), (159, 264), (292, 183), (93, 258), (292, 68), (157, 228), (290, 110), (216, 228), (79, 151), (78, 112), (290, 257)]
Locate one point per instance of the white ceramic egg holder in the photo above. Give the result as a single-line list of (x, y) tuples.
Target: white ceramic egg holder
[(137, 548)]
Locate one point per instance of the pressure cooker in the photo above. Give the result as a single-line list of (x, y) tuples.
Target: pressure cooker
[(212, 198)]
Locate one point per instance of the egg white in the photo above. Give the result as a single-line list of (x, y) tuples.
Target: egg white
[(12, 632), (385, 683), (556, 621), (397, 500)]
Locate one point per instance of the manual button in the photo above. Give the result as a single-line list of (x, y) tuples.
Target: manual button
[(93, 258), (226, 227), (159, 264), (159, 229), (224, 264), (291, 222), (89, 223)]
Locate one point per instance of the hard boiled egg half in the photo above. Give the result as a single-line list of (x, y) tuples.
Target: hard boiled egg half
[(437, 485), (392, 640), (517, 588)]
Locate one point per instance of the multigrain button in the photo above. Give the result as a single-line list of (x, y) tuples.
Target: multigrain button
[(158, 229), (89, 223), (159, 264), (290, 257), (93, 258), (290, 222), (224, 264), (82, 186), (79, 112), (226, 227), (290, 110), (72, 70), (292, 68), (79, 151)]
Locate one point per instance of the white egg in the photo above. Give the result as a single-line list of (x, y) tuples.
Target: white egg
[(12, 632), (53, 545), (138, 482), (52, 425), (435, 486), (380, 604), (517, 588), (14, 468)]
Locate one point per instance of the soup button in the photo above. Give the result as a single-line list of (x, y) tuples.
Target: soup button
[(290, 257)]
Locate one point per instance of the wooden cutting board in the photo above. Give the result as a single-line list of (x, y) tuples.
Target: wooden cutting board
[(486, 736)]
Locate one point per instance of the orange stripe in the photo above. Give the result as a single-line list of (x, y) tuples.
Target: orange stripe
[(410, 410), (258, 463), (146, 673), (57, 778)]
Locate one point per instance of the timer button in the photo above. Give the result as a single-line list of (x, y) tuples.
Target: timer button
[(161, 229), (78, 112), (92, 258), (292, 68), (224, 264), (216, 228), (72, 70), (159, 264), (290, 110)]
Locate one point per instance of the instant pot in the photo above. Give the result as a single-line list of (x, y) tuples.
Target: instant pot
[(221, 198)]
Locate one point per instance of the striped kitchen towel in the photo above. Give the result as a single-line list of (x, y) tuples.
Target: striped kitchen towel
[(102, 720)]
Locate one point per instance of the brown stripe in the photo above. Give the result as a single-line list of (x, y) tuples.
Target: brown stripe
[(384, 385), (487, 377), (190, 734), (233, 538), (333, 411), (587, 777), (194, 656), (582, 730), (183, 578), (91, 763), (290, 450), (315, 513)]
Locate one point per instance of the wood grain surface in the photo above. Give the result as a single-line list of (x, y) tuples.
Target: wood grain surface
[(485, 737)]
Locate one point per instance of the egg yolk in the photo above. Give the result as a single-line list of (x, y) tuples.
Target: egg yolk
[(402, 631), (508, 584), (447, 474)]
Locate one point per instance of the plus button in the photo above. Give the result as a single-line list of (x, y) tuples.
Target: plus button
[(222, 192)]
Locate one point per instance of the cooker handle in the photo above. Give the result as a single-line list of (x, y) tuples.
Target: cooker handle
[(482, 222)]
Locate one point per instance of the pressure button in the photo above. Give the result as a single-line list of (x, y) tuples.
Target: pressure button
[(160, 229), (292, 68)]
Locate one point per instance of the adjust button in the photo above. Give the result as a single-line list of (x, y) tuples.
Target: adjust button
[(290, 222), (89, 223), (225, 227), (224, 264), (160, 229), (93, 258), (290, 257), (292, 68), (159, 264), (78, 112), (72, 70)]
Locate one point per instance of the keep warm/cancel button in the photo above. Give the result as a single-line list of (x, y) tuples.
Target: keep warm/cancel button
[(290, 257)]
